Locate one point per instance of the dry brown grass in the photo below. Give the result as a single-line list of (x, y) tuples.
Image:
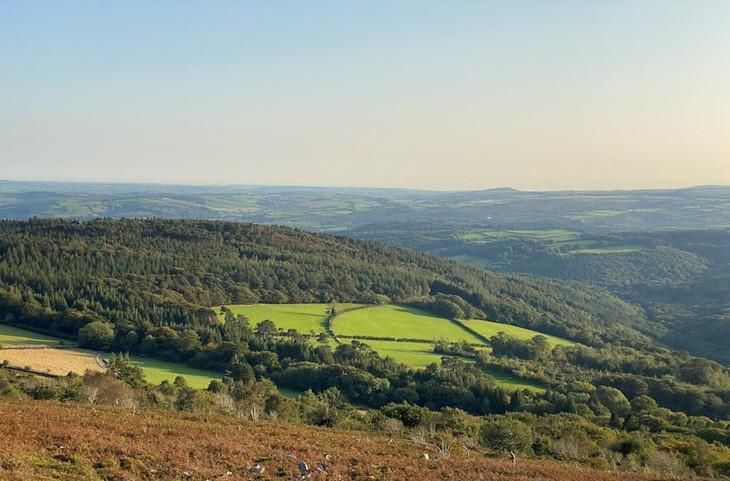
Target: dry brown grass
[(58, 362), (48, 440)]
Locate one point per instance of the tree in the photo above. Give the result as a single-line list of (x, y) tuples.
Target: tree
[(266, 329), (506, 434), (241, 371), (96, 335), (121, 367), (615, 401)]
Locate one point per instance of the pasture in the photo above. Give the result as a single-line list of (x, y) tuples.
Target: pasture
[(511, 383), (399, 322), (156, 371), (412, 354), (489, 235), (305, 318), (490, 328), (14, 336), (620, 249), (420, 354)]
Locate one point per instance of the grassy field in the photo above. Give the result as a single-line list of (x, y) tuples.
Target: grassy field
[(156, 371), (13, 336), (399, 322), (489, 329), (555, 235), (305, 318), (413, 354), (512, 383), (58, 362), (608, 250)]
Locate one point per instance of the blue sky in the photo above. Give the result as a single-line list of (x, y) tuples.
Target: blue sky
[(553, 94)]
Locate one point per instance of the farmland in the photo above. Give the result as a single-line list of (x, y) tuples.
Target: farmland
[(617, 249), (57, 362), (488, 235), (69, 442), (305, 318), (414, 354), (13, 336), (489, 329), (156, 371), (60, 361), (399, 322)]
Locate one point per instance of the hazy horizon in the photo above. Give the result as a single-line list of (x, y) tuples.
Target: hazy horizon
[(152, 183), (461, 95)]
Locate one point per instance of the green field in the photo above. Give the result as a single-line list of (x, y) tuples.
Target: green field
[(419, 355), (608, 250), (489, 329), (555, 235), (400, 322), (13, 336), (512, 383), (305, 318), (413, 354), (156, 371)]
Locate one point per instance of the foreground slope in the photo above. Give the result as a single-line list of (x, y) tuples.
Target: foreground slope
[(71, 442)]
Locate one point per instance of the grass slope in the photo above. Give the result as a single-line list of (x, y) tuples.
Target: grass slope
[(305, 318), (413, 354), (156, 371), (489, 329), (70, 442), (399, 322), (13, 336)]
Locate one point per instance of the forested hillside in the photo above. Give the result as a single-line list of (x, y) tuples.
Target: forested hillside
[(141, 274), (679, 277)]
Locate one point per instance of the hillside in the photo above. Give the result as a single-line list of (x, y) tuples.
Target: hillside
[(161, 289), (71, 442), (679, 277), (141, 274), (339, 209)]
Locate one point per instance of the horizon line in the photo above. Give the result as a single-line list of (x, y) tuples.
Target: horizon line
[(320, 186)]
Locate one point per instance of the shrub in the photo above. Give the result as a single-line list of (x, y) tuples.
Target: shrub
[(506, 434), (96, 335)]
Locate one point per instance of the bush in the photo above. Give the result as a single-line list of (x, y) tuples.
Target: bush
[(409, 414), (506, 434), (96, 335)]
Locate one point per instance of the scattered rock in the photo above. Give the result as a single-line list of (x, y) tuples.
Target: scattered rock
[(425, 456), (256, 469), (304, 467)]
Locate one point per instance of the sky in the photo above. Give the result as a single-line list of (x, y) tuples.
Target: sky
[(552, 94)]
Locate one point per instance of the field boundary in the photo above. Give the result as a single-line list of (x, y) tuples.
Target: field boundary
[(468, 329), (37, 346), (31, 371), (45, 332), (329, 321)]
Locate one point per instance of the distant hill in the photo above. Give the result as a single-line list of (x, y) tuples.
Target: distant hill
[(337, 209)]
